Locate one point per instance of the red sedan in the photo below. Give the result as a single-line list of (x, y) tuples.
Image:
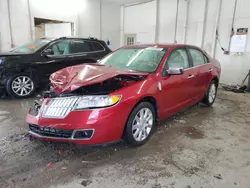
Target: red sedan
[(123, 95)]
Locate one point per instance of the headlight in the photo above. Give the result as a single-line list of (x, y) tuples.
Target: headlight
[(97, 101), (1, 60)]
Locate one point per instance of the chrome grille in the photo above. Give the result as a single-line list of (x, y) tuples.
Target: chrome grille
[(59, 107)]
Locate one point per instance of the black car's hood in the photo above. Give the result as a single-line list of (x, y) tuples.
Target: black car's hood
[(4, 54)]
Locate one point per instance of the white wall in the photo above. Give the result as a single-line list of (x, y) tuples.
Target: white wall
[(4, 27), (85, 14), (140, 19), (20, 22), (92, 14), (111, 17), (89, 19), (234, 67)]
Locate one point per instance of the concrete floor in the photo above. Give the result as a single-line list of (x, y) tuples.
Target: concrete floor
[(200, 147)]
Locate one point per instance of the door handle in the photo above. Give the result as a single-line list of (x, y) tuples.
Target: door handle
[(210, 70), (191, 76)]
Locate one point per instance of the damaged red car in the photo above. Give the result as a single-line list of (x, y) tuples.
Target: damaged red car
[(124, 95)]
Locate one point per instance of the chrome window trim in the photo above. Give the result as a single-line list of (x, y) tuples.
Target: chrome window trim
[(79, 53), (198, 66)]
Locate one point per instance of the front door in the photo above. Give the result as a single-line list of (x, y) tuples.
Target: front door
[(177, 89), (59, 59)]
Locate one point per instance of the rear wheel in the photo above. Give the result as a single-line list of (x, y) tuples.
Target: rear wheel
[(211, 94), (140, 124), (20, 86)]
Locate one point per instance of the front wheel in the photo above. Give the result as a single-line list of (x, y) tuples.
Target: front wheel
[(140, 124), (20, 86), (211, 94)]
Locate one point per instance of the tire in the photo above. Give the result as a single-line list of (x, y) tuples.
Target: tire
[(210, 94), (20, 86), (131, 134), (2, 92)]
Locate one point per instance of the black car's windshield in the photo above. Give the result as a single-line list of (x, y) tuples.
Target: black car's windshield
[(138, 59), (31, 46)]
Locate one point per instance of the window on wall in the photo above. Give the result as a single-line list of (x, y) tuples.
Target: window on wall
[(198, 57), (130, 39), (178, 59)]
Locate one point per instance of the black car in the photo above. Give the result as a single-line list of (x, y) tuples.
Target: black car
[(28, 67)]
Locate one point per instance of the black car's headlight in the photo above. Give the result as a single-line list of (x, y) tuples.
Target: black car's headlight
[(2, 60)]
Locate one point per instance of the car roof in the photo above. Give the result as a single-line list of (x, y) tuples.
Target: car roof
[(160, 45), (71, 37)]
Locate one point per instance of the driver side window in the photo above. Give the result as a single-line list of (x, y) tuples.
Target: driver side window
[(60, 48), (178, 58)]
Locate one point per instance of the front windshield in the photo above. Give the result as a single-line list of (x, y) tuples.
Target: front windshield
[(137, 59), (31, 46)]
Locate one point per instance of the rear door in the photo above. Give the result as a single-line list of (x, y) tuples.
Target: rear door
[(203, 69), (99, 50), (177, 89), (82, 52)]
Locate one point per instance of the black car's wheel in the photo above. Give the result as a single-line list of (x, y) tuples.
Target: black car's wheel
[(140, 124), (210, 94), (2, 92), (20, 86)]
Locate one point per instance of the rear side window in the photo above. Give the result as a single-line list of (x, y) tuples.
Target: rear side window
[(198, 57), (81, 46), (97, 46), (178, 59)]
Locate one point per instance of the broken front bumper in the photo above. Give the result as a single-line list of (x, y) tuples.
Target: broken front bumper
[(97, 126)]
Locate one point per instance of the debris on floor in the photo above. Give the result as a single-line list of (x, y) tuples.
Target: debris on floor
[(235, 88), (218, 176), (85, 183), (50, 165)]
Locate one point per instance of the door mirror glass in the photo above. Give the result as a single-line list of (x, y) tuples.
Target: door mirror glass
[(175, 71), (47, 52)]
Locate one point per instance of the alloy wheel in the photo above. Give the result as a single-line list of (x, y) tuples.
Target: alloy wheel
[(212, 93), (22, 86), (142, 124)]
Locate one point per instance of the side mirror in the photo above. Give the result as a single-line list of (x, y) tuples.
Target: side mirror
[(98, 60), (175, 71), (47, 52)]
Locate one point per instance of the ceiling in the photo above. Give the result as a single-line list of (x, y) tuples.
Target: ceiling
[(124, 2)]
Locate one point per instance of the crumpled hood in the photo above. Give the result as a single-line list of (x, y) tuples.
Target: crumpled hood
[(72, 78)]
